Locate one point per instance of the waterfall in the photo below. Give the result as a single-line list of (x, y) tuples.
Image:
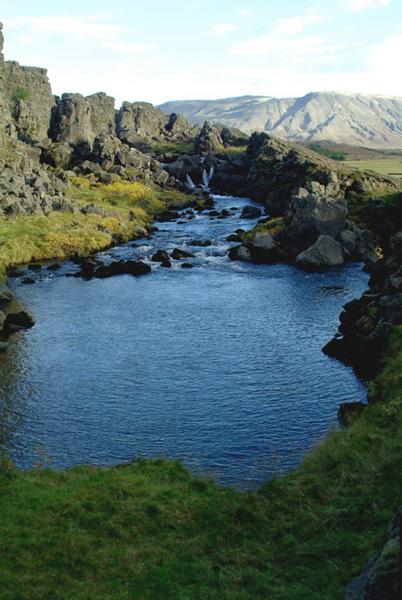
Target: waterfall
[(189, 181), (206, 177)]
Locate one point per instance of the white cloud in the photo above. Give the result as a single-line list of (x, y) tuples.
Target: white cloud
[(222, 28), (358, 5), (294, 25), (63, 25), (130, 47), (243, 14)]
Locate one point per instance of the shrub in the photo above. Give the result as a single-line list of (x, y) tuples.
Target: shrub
[(20, 93)]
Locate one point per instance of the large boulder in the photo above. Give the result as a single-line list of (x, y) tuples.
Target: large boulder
[(325, 253), (315, 210)]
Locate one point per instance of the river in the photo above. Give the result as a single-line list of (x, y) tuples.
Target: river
[(218, 365)]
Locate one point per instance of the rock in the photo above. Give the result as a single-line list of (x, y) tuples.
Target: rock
[(348, 241), (349, 412), (139, 122), (240, 253), (382, 577), (187, 265), (78, 120), (160, 256), (5, 293), (122, 267), (2, 320), (325, 253), (251, 212), (3, 346), (315, 210), (178, 254), (263, 248), (19, 320), (209, 139)]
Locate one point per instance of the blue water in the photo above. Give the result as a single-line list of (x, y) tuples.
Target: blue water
[(219, 366)]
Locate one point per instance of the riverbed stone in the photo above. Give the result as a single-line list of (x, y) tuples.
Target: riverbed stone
[(325, 253)]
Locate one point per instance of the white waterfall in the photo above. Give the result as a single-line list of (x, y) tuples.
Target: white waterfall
[(189, 181), (206, 177)]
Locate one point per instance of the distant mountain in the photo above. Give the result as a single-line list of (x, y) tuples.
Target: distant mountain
[(356, 119)]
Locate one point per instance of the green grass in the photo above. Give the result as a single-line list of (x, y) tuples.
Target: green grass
[(179, 148), (58, 236), (151, 530), (382, 166)]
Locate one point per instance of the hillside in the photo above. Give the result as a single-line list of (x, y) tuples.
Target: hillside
[(356, 119)]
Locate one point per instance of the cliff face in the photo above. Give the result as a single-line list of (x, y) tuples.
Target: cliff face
[(26, 100)]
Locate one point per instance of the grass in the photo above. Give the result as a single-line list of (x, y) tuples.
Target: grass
[(151, 530), (174, 148), (128, 206), (383, 166)]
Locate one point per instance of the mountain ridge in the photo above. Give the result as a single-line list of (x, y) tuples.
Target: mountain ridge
[(371, 120)]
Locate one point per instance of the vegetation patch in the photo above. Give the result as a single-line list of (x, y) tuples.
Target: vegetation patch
[(334, 154), (182, 148), (125, 207), (272, 227), (384, 166)]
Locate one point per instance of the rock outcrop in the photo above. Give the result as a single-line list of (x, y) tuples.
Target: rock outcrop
[(367, 322)]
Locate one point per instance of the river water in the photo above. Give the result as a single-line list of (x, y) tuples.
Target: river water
[(219, 365)]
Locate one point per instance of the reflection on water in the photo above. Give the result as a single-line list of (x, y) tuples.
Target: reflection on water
[(219, 366)]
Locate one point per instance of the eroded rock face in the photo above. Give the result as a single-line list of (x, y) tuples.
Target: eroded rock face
[(209, 139), (315, 210), (367, 322), (78, 120)]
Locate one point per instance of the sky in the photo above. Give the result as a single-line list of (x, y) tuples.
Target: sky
[(156, 51)]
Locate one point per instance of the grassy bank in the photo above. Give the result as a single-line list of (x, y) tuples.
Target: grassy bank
[(151, 530), (121, 208)]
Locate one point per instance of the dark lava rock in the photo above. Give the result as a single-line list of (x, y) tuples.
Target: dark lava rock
[(160, 256), (178, 254), (27, 281), (251, 212), (122, 267), (19, 320), (201, 243)]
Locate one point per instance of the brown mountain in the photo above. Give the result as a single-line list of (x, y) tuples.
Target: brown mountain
[(357, 119)]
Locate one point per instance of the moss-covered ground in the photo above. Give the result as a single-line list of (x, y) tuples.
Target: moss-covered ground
[(151, 530)]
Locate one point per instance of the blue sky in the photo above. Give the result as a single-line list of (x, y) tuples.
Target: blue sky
[(187, 49)]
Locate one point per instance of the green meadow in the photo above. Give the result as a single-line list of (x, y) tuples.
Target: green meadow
[(386, 166)]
